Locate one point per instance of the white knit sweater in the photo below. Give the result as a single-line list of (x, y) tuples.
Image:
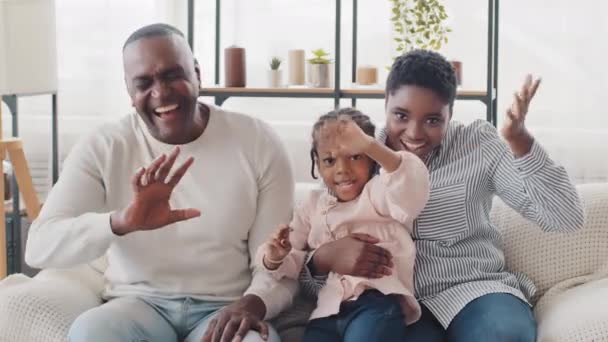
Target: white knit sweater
[(241, 180)]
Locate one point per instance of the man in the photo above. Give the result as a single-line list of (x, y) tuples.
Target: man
[(173, 274)]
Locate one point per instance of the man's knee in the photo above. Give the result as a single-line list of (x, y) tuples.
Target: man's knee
[(93, 326)]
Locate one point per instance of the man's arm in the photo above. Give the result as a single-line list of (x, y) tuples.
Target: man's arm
[(73, 226), (265, 297), (274, 206)]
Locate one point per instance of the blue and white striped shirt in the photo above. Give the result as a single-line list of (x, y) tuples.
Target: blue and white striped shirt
[(459, 256)]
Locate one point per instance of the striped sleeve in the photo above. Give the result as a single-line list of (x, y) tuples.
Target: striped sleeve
[(535, 186), (310, 284)]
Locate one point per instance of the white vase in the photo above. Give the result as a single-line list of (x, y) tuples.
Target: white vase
[(319, 75), (274, 79)]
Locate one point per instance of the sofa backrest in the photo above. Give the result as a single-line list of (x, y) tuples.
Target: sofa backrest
[(550, 258)]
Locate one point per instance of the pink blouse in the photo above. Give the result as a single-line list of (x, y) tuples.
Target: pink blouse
[(385, 209)]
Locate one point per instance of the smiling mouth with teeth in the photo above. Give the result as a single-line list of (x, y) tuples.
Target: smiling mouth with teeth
[(165, 109), (412, 147)]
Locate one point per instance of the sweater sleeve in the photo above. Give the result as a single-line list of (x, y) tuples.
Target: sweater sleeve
[(293, 262), (73, 226), (274, 206), (403, 193)]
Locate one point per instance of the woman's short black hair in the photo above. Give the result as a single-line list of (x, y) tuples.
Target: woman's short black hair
[(426, 69)]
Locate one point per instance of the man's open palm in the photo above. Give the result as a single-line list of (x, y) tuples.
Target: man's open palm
[(152, 188)]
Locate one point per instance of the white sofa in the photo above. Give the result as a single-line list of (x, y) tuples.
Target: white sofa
[(569, 270)]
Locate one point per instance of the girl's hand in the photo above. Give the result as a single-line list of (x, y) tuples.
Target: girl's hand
[(277, 248), (350, 137), (346, 135)]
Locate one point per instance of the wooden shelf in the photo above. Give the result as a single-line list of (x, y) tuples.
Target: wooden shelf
[(219, 91), (361, 91), (350, 93)]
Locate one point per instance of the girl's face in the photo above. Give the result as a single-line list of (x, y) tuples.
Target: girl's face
[(344, 175), (416, 120)]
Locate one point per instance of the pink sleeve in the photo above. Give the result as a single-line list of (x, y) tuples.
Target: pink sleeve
[(403, 193), (294, 261)]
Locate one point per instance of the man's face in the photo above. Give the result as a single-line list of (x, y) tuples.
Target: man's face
[(416, 120), (163, 83)]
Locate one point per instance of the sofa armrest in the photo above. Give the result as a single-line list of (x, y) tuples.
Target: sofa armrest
[(571, 312), (44, 307)]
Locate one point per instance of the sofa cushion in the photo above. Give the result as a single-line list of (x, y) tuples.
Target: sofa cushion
[(571, 313), (551, 258)]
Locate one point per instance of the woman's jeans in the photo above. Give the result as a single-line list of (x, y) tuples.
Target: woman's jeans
[(497, 317)]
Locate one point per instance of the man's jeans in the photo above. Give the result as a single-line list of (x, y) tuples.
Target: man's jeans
[(138, 319)]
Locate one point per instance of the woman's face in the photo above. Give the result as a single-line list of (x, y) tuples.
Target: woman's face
[(416, 120)]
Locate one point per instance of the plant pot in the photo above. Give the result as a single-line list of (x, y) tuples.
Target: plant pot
[(367, 75), (319, 75), (275, 79), (457, 65)]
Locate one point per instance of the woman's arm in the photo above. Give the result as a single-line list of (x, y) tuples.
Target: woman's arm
[(355, 255), (523, 175)]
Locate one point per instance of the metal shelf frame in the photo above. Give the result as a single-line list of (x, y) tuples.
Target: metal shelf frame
[(488, 96)]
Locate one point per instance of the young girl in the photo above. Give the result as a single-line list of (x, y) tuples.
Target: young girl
[(356, 200)]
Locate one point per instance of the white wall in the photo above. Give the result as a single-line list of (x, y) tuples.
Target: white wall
[(563, 41), (560, 40)]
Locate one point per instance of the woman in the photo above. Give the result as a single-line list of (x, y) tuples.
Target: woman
[(461, 281)]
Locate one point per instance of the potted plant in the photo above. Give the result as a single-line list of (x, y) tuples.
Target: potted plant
[(421, 24), (274, 74), (319, 73)]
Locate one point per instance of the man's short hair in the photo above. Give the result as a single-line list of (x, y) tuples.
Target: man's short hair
[(153, 30)]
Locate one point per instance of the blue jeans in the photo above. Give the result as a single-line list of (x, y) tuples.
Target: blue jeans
[(372, 317), (147, 319), (498, 317)]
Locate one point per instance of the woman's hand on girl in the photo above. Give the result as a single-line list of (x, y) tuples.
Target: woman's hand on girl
[(355, 255)]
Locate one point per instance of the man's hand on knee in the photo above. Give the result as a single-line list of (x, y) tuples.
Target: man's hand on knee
[(235, 320)]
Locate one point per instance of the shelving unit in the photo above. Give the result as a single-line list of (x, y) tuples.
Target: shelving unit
[(487, 96)]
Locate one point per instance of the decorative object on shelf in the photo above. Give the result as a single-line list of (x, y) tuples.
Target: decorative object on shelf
[(295, 63), (28, 66), (487, 95), (274, 74), (235, 71), (367, 75), (419, 24), (320, 68), (457, 65)]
